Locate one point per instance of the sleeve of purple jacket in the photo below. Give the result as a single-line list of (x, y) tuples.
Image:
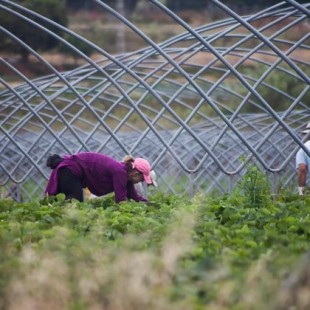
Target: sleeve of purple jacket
[(132, 193), (123, 190)]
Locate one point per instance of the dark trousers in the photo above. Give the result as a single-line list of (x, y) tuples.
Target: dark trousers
[(69, 184)]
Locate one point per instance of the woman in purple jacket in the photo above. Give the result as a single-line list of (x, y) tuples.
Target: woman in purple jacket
[(101, 174)]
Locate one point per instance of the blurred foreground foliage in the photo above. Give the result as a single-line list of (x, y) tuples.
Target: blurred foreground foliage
[(228, 252)]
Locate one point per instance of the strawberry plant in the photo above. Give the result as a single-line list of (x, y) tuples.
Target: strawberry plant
[(230, 252)]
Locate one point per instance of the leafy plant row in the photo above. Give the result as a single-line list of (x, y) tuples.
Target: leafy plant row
[(231, 252)]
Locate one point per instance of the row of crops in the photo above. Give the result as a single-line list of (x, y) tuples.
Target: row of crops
[(246, 250)]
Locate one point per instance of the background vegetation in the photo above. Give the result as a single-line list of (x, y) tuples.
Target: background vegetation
[(244, 251), (75, 15), (90, 21), (131, 5), (23, 30)]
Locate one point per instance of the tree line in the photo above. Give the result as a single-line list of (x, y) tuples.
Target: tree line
[(175, 5), (57, 10)]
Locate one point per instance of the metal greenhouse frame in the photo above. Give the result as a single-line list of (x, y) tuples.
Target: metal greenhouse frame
[(201, 106)]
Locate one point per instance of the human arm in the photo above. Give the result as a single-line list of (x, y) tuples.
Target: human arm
[(301, 177), (132, 193), (123, 189), (120, 186)]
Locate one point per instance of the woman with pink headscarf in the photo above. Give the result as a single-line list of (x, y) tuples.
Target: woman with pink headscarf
[(100, 173)]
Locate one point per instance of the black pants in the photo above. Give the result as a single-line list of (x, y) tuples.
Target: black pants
[(69, 184)]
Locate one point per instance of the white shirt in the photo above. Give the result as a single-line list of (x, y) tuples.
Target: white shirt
[(303, 158)]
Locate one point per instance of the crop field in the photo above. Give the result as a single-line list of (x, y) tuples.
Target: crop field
[(247, 250)]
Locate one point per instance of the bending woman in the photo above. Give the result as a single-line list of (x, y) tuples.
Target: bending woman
[(101, 174)]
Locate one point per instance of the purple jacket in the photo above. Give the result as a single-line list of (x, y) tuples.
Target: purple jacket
[(100, 173)]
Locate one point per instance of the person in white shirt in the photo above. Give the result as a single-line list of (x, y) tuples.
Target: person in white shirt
[(303, 165)]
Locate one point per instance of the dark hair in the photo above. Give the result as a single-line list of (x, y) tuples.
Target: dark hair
[(53, 161), (128, 160)]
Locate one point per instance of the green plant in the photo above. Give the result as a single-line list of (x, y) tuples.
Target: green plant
[(208, 252), (34, 37), (254, 187)]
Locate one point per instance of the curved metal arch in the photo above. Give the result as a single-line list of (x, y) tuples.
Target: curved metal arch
[(111, 80), (99, 100), (191, 81), (262, 37), (71, 46), (189, 29)]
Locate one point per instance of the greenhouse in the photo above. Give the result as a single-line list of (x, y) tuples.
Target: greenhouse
[(201, 106)]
